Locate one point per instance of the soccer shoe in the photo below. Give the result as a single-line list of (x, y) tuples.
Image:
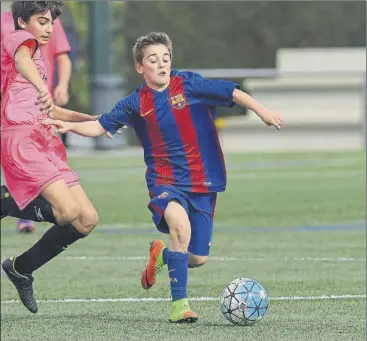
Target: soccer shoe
[(4, 195), (25, 226), (23, 284), (155, 264), (181, 312)]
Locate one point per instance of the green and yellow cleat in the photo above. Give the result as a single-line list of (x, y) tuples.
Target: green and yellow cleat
[(181, 312), (155, 264)]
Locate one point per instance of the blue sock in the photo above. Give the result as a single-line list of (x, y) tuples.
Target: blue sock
[(165, 255), (177, 271)]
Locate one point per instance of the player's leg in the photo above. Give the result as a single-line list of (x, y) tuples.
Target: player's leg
[(178, 222), (161, 196), (51, 244), (59, 237), (55, 240), (70, 207), (37, 210), (169, 209), (201, 236), (201, 230), (88, 217)]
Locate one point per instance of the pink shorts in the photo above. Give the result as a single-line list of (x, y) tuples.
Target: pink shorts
[(33, 158)]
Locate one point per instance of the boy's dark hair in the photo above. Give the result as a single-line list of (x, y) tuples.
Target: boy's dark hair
[(153, 38), (25, 9)]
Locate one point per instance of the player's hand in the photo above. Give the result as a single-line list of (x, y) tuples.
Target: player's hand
[(94, 117), (119, 131), (271, 118), (44, 98), (61, 126), (61, 94)]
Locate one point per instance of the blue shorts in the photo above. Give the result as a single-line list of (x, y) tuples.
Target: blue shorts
[(199, 207)]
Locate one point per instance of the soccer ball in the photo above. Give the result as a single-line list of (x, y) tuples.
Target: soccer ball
[(244, 302)]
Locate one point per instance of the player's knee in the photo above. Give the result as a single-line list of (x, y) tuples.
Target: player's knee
[(68, 213), (89, 220), (197, 261), (182, 230)]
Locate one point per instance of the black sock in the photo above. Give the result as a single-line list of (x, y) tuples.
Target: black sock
[(38, 210), (53, 242)]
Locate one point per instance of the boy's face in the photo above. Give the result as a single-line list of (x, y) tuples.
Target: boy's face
[(40, 25), (156, 66)]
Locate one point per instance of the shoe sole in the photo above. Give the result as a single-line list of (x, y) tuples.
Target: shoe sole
[(188, 320)]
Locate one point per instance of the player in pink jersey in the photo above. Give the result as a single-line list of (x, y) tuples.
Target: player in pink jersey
[(42, 187), (56, 50)]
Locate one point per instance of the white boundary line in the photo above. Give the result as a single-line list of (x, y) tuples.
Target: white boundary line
[(221, 259), (197, 299)]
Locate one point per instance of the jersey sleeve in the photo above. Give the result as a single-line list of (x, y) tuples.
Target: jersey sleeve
[(123, 114), (213, 92), (14, 40), (59, 40)]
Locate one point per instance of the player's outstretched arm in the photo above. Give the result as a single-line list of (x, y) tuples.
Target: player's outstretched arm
[(269, 117), (63, 114), (88, 129)]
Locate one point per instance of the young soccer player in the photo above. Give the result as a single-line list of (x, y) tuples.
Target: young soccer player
[(172, 114), (56, 50), (42, 187)]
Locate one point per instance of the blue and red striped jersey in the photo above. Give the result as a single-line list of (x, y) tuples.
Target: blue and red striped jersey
[(177, 131)]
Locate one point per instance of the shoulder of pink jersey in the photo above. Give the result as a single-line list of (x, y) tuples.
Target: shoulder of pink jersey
[(19, 36), (14, 39)]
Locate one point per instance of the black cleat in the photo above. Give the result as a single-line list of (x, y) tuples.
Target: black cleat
[(5, 196), (23, 284)]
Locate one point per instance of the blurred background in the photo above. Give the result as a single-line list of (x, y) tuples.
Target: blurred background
[(294, 212), (304, 59)]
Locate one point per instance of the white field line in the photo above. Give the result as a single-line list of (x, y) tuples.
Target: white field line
[(220, 259), (88, 176), (298, 175), (216, 224), (198, 299)]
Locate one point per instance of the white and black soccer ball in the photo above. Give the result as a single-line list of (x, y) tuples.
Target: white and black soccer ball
[(244, 302)]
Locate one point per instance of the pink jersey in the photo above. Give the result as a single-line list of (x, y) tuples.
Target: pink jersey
[(57, 45), (18, 95)]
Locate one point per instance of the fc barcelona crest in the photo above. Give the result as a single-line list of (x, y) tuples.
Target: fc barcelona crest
[(178, 101)]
